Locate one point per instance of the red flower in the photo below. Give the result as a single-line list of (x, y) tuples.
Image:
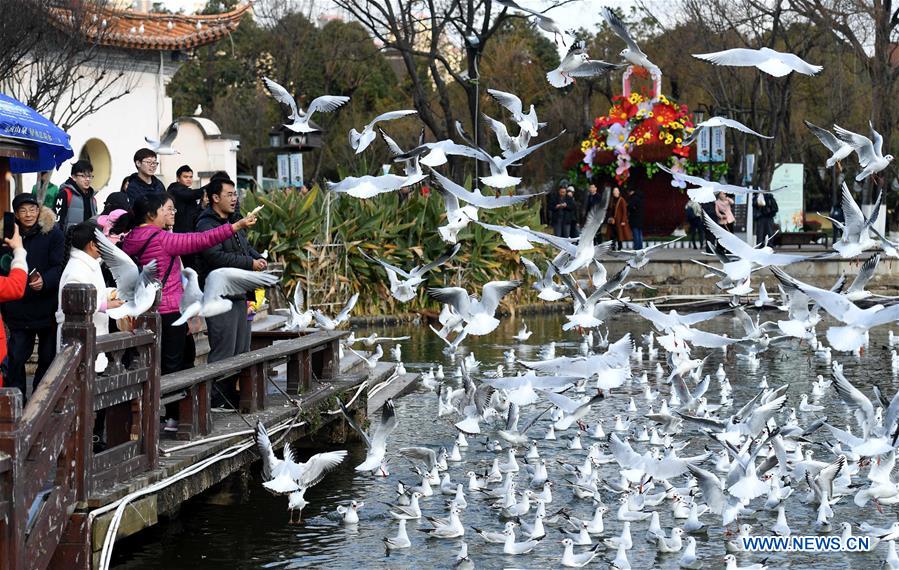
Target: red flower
[(425, 191)]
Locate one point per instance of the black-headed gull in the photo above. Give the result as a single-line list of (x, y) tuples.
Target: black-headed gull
[(632, 53), (360, 141), (368, 186), (300, 120), (478, 314), (377, 441), (577, 63), (870, 153), (220, 284), (406, 289), (163, 146), (544, 22), (839, 149), (136, 287), (330, 324)]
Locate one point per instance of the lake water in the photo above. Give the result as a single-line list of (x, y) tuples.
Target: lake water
[(248, 528)]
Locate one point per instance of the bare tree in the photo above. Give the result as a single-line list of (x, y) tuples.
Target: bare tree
[(66, 75)]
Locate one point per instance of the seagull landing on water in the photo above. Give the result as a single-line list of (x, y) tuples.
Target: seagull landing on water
[(288, 477), (300, 120), (137, 288), (163, 146), (220, 284), (377, 441), (772, 62)]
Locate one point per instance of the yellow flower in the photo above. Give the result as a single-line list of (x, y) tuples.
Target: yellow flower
[(668, 139), (678, 140), (639, 142), (631, 139)]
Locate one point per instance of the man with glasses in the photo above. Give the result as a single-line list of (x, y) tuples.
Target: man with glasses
[(76, 200), (34, 315), (143, 181), (229, 333)]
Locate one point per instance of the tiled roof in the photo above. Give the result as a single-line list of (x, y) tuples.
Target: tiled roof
[(146, 31)]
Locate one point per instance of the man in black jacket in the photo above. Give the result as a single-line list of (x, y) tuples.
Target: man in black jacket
[(229, 333), (561, 210), (34, 315), (188, 200), (143, 181)]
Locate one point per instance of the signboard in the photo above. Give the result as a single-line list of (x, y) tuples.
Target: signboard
[(283, 170), (717, 136), (740, 213), (704, 146), (789, 199), (296, 169), (748, 168)]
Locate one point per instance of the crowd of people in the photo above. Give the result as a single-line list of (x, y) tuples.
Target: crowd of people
[(623, 221), (54, 243)]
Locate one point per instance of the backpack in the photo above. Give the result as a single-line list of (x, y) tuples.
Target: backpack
[(136, 259)]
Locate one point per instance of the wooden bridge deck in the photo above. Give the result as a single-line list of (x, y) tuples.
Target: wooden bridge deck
[(58, 495)]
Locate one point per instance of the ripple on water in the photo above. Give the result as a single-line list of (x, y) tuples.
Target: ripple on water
[(253, 532)]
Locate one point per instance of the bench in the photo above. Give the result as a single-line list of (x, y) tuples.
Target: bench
[(307, 356), (800, 239)]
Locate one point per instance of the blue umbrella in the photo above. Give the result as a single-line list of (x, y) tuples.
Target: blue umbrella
[(21, 122)]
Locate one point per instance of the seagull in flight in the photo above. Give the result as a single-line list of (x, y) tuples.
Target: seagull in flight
[(632, 53), (299, 319), (300, 120), (478, 200), (855, 237), (544, 22), (330, 324), (377, 440), (721, 122), (406, 289), (164, 145), (527, 122), (577, 63), (772, 62), (360, 141), (748, 257), (706, 190), (136, 287), (478, 314), (870, 153), (220, 284), (368, 186), (838, 148)]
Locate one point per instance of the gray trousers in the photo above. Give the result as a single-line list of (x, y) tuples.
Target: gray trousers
[(229, 333)]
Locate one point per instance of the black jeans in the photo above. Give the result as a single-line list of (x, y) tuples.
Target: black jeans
[(229, 335), (20, 345)]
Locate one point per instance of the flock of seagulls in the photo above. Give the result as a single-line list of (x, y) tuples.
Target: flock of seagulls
[(683, 451)]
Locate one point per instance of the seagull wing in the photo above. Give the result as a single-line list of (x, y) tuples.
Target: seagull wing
[(170, 135), (124, 271), (228, 281), (447, 255), (619, 29), (531, 268), (731, 242), (515, 157), (264, 444), (865, 273), (740, 57), (564, 403), (349, 418), (387, 424), (390, 116), (852, 395), (326, 103), (508, 100), (739, 126), (386, 265), (826, 137), (456, 297), (345, 313), (502, 134), (282, 96), (877, 140), (592, 68), (493, 292), (192, 293), (862, 144), (798, 63), (317, 466), (423, 454)]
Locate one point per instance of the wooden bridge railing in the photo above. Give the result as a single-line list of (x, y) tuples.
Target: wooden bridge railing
[(48, 462)]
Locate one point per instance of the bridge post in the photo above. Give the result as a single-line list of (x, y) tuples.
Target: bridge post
[(79, 303), (12, 501), (149, 417)]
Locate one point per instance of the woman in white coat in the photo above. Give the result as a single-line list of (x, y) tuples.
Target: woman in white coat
[(83, 266)]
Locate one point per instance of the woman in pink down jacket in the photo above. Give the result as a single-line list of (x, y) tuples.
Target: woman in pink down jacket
[(153, 215)]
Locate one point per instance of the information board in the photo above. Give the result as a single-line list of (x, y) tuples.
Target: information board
[(789, 199)]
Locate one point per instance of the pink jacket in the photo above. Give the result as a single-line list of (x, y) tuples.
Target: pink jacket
[(165, 248)]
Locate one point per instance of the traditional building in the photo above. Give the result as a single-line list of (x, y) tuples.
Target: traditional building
[(149, 48)]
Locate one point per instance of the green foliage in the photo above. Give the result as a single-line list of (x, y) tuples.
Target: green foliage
[(402, 233)]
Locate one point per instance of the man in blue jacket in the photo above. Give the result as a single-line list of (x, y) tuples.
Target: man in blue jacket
[(34, 315)]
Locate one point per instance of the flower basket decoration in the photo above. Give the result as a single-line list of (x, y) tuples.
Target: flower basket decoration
[(639, 129)]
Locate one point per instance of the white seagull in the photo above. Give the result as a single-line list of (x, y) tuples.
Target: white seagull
[(330, 324), (721, 122), (772, 62), (839, 149), (220, 284), (163, 146), (632, 53), (377, 441), (360, 141), (368, 186), (137, 288), (300, 124), (577, 63), (478, 315), (406, 289), (870, 154)]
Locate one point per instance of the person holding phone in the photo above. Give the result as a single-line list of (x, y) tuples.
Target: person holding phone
[(33, 317), (12, 287)]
